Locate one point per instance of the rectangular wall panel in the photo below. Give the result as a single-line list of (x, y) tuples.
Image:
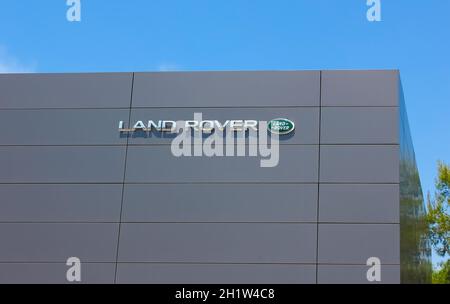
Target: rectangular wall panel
[(61, 164), (220, 203), (62, 127), (356, 243), (360, 88), (92, 90), (226, 89), (218, 243), (359, 164), (60, 203), (359, 203), (215, 274), (57, 242), (55, 273), (150, 164), (356, 274), (359, 125)]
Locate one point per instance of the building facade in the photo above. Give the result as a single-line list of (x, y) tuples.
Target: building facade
[(345, 189)]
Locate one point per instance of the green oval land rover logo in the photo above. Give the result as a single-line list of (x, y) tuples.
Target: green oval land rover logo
[(281, 126)]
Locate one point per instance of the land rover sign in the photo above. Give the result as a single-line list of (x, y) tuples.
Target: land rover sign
[(281, 126)]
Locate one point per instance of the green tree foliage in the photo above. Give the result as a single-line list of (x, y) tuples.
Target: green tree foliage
[(442, 276), (438, 217)]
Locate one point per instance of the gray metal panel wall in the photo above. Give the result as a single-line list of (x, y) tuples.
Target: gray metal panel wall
[(227, 89), (61, 179), (216, 217), (71, 185), (359, 176), (73, 91)]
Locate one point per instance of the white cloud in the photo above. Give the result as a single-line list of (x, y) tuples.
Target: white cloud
[(10, 64), (168, 67)]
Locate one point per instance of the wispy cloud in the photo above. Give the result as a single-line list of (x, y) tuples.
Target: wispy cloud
[(10, 64), (168, 67)]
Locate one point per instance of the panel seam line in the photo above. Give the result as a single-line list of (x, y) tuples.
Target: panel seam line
[(318, 179), (123, 184)]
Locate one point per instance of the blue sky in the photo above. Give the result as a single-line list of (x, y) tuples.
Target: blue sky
[(143, 35)]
